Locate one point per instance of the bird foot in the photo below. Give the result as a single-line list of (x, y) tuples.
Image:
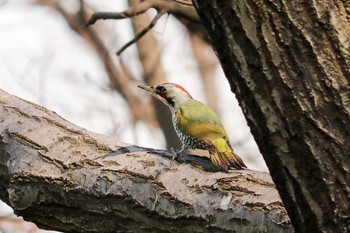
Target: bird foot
[(176, 153)]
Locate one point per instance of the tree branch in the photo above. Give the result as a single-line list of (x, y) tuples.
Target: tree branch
[(64, 178), (143, 32), (288, 64), (183, 8), (120, 80)]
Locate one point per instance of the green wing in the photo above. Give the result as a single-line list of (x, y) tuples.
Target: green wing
[(198, 120)]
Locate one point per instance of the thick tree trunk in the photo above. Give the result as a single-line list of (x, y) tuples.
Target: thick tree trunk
[(65, 178), (288, 62)]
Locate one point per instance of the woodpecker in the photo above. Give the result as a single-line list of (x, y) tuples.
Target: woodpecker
[(197, 126)]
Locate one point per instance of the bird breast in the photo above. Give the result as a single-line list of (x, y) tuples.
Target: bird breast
[(186, 139)]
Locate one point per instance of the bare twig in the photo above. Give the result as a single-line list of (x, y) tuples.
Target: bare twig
[(118, 78), (143, 32), (132, 11), (179, 7), (183, 8)]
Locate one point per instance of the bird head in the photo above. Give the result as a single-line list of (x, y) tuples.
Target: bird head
[(170, 94)]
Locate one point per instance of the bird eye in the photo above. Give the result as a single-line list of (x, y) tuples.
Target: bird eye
[(160, 89)]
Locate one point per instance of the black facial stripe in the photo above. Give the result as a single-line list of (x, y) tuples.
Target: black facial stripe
[(170, 102), (160, 89)]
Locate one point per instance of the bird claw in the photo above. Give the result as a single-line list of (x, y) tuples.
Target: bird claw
[(175, 153)]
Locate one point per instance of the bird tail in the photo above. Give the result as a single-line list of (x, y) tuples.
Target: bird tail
[(222, 155)]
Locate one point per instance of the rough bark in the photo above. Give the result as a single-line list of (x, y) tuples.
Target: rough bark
[(65, 178), (288, 63)]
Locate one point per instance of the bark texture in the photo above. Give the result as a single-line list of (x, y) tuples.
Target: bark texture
[(65, 178), (288, 62)]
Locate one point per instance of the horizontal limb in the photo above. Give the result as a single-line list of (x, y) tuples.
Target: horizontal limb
[(73, 180)]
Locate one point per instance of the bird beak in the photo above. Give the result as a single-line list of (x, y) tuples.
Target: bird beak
[(150, 89)]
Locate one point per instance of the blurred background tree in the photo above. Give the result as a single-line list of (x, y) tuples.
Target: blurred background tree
[(50, 58)]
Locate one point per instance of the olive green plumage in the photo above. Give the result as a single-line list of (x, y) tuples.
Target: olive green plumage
[(197, 126)]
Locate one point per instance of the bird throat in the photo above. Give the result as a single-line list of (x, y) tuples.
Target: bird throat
[(169, 101)]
